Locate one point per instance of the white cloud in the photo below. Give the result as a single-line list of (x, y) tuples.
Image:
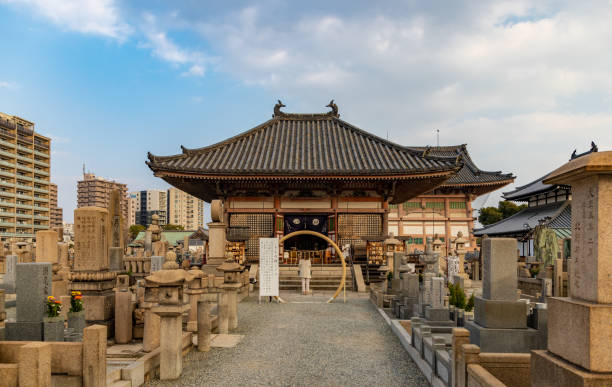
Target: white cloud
[(522, 82), (8, 85), (96, 17), (166, 49)]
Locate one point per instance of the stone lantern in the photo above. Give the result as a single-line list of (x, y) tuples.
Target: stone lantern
[(430, 258), (460, 250), (170, 309), (228, 299)]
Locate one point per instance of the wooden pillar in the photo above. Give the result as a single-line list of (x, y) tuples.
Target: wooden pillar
[(447, 230), (468, 211), (385, 220)]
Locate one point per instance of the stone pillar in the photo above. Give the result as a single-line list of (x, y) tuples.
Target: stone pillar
[(460, 336), (228, 299), (222, 313), (123, 311), (171, 340), (579, 328), (203, 326), (94, 356), (34, 364), (195, 289), (152, 326), (232, 308)]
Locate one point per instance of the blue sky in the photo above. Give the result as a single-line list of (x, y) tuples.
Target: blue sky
[(522, 83)]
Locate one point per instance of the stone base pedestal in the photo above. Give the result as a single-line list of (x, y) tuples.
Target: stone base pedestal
[(554, 371), (500, 314), (580, 332), (437, 314), (99, 307), (504, 340), (24, 331)]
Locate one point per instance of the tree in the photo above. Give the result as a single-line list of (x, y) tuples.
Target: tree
[(135, 229), (504, 209), (489, 215), (172, 227), (509, 208)]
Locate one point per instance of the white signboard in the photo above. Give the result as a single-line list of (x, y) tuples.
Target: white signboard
[(268, 267), (453, 268)]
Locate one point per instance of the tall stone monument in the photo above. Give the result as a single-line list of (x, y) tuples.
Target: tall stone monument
[(579, 326), (91, 273), (217, 239), (115, 232), (48, 251), (500, 319)]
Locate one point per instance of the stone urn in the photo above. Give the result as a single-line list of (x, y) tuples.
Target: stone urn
[(53, 328), (76, 321)]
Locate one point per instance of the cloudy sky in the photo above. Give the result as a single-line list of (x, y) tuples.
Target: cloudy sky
[(523, 83)]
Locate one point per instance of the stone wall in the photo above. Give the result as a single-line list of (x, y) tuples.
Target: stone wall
[(38, 363)]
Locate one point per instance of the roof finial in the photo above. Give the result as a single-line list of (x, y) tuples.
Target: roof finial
[(277, 109), (334, 109)]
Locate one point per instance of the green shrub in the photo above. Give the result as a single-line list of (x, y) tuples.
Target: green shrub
[(470, 304)]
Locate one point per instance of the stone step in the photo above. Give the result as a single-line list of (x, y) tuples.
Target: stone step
[(120, 383)]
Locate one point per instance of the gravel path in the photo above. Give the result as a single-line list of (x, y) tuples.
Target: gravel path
[(305, 342)]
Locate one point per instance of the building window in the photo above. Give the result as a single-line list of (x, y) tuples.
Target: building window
[(435, 205), (411, 205), (414, 241), (457, 205)]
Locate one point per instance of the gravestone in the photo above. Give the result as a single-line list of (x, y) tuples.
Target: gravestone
[(10, 265), (91, 274), (500, 319), (436, 311), (33, 288), (452, 268), (90, 239), (115, 221), (46, 247)]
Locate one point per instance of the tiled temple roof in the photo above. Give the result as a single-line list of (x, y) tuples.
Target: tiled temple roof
[(304, 144), (469, 174)]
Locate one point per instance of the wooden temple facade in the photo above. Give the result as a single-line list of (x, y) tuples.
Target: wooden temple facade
[(318, 172)]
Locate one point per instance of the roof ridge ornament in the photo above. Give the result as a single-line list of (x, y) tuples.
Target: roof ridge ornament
[(277, 109), (426, 151), (334, 109), (594, 148)]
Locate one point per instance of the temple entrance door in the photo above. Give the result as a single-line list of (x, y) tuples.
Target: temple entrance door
[(333, 244), (306, 245)]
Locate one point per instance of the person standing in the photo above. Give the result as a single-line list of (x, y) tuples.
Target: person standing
[(305, 274)]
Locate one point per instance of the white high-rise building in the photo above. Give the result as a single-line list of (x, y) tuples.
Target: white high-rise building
[(185, 210)]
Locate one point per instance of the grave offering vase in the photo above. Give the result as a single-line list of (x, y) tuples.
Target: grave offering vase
[(76, 321), (53, 328)]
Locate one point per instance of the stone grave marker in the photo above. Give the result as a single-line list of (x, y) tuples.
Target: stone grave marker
[(33, 288)]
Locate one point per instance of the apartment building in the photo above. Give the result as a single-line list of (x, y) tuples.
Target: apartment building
[(57, 214), (96, 191), (144, 204), (185, 210), (24, 179)]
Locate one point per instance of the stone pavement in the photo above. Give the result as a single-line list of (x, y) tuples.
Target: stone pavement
[(305, 342)]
